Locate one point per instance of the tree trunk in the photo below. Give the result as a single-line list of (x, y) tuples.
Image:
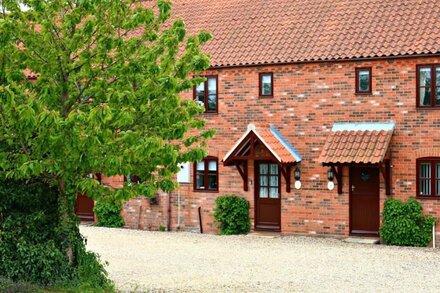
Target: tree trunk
[(66, 221)]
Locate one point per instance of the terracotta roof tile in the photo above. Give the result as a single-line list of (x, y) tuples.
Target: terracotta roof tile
[(356, 146), (29, 74), (279, 31), (252, 32)]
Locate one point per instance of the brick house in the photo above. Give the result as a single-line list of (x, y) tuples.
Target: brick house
[(323, 110)]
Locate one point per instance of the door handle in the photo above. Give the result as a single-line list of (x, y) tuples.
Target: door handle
[(353, 188)]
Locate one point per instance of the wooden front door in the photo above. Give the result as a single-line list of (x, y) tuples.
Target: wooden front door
[(84, 208), (364, 201), (267, 196)]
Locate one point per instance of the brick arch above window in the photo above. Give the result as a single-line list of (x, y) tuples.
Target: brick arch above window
[(427, 152)]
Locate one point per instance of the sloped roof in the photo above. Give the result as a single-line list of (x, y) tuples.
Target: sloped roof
[(282, 31), (252, 32), (269, 136), (357, 143)]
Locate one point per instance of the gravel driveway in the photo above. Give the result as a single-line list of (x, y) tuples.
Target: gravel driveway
[(160, 261)]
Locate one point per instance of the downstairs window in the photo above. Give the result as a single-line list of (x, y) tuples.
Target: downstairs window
[(428, 177)]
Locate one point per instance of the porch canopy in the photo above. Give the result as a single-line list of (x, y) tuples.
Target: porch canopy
[(262, 141), (358, 144)]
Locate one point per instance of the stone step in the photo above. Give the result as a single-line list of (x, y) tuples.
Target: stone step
[(362, 240), (264, 234)]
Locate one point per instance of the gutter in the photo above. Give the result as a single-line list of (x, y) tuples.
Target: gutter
[(325, 61)]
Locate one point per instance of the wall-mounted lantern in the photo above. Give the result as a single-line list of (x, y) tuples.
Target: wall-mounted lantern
[(330, 177), (330, 174), (297, 176)]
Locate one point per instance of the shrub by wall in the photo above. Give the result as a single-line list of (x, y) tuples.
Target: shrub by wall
[(108, 212), (28, 251), (405, 225), (33, 247), (232, 214)]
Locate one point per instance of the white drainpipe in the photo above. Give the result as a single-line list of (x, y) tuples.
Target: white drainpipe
[(433, 236)]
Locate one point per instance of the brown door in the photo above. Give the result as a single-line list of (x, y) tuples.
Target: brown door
[(364, 201), (84, 208), (267, 196)]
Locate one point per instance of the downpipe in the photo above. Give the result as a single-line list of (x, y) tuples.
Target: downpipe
[(168, 211), (433, 236), (200, 220)]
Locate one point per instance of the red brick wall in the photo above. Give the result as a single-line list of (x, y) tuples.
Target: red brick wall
[(308, 99)]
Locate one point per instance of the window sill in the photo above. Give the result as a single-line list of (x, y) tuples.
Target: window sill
[(428, 107), (429, 197), (205, 190), (265, 97), (210, 113), (363, 93)]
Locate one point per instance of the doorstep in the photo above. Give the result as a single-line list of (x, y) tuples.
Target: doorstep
[(266, 234), (362, 240)]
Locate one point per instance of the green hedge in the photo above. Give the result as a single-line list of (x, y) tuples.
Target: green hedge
[(33, 246), (405, 225), (232, 213), (8, 286), (29, 248), (108, 212)]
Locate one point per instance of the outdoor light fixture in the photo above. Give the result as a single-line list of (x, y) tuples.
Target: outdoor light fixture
[(330, 174), (330, 177), (297, 174)]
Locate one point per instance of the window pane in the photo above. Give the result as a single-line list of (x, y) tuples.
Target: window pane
[(212, 102), (425, 170), (273, 180), (212, 180), (264, 181), (200, 94), (201, 166), (437, 172), (425, 96), (212, 166), (425, 77), (264, 169), (425, 181), (425, 187), (264, 191), (437, 74), (437, 70), (273, 169), (200, 180), (364, 81), (437, 96), (212, 86), (437, 187), (273, 192), (266, 84)]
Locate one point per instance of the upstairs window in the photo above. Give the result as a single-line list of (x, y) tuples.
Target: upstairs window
[(206, 174), (428, 85), (363, 80), (266, 85), (206, 94), (428, 177)]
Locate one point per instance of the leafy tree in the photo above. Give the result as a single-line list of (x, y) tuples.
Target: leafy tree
[(105, 98)]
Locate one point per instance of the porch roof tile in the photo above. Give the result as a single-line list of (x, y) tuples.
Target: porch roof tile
[(357, 143)]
